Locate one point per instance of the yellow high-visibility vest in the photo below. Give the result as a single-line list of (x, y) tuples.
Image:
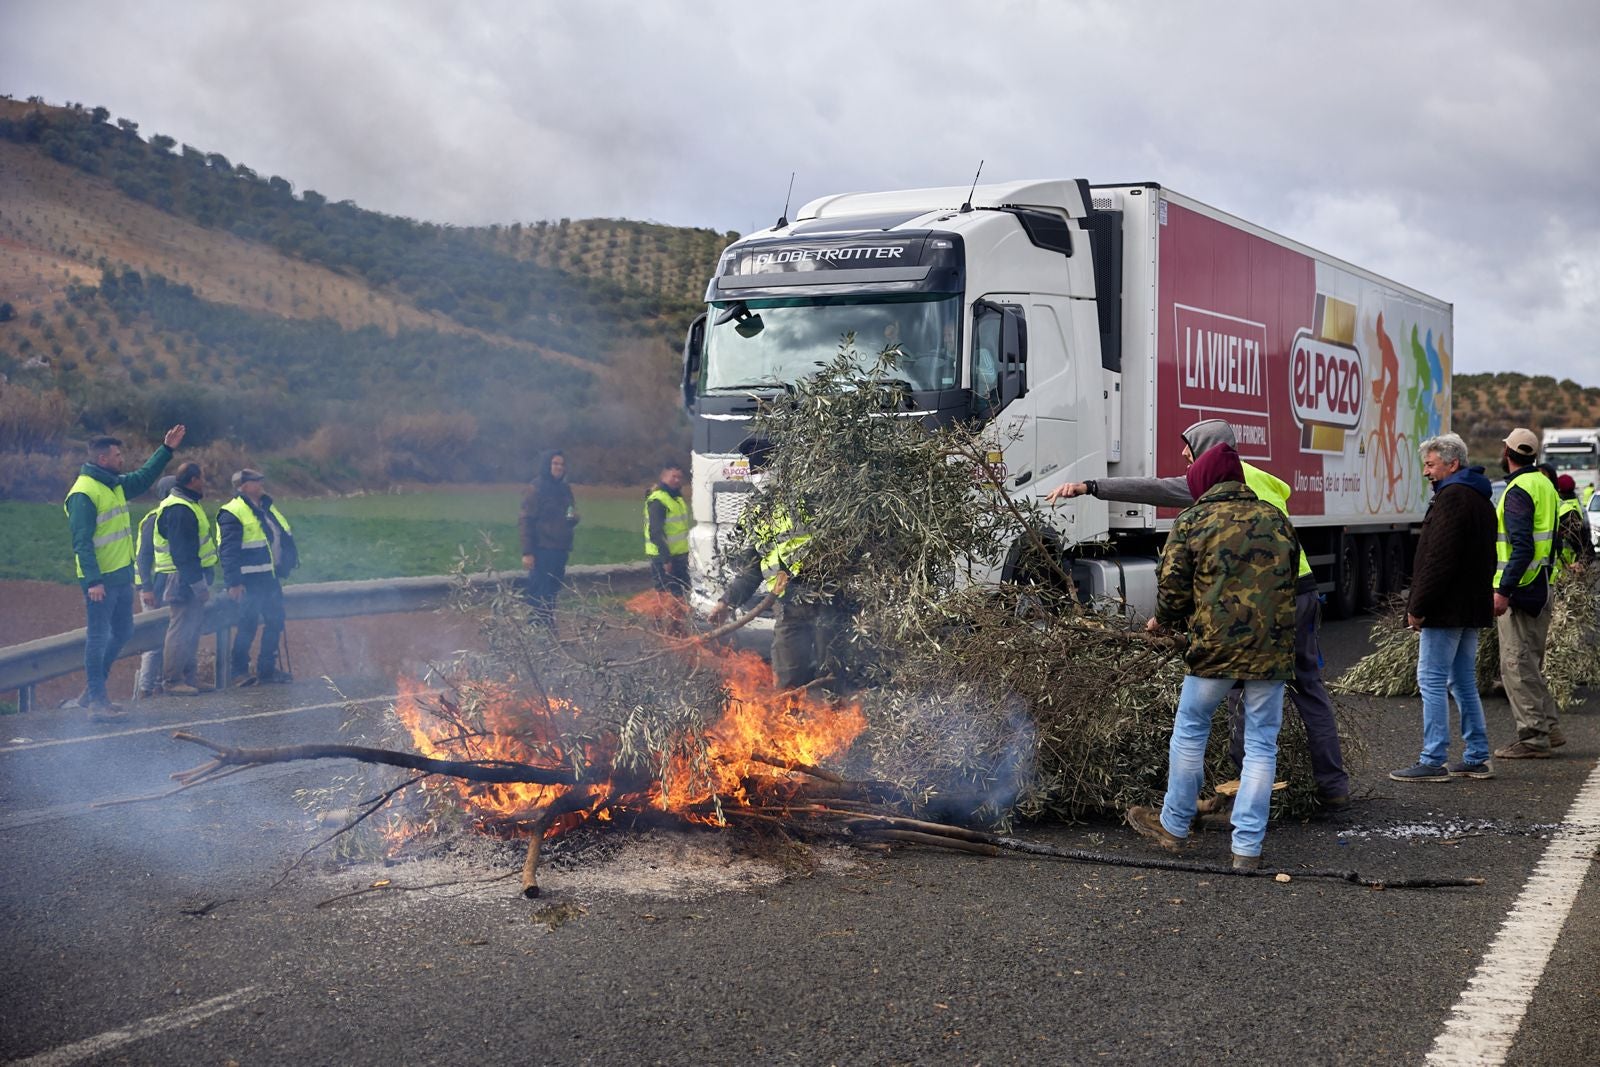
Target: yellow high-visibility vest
[(113, 532), (674, 527), (208, 536), (1546, 502), (1274, 491), (1568, 553), (786, 540), (255, 547)]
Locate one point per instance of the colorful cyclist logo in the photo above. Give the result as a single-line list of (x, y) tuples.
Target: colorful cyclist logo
[(1390, 475)]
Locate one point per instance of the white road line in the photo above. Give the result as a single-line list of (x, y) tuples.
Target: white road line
[(88, 807), (1485, 1020), (156, 1024), (168, 727)]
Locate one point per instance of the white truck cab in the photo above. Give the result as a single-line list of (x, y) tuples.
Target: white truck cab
[(1092, 324)]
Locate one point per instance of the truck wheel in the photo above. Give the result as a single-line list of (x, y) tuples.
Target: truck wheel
[(1369, 587), (1342, 601)]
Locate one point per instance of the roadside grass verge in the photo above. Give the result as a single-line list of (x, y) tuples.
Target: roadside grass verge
[(387, 535)]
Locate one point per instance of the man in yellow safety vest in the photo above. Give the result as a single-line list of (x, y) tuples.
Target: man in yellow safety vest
[(1526, 516), (811, 630), (666, 533), (102, 543), (258, 552), (185, 551)]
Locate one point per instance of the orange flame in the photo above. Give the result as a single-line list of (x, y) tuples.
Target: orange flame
[(760, 727)]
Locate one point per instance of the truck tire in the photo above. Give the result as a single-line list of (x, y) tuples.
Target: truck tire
[(1394, 562), (1369, 584), (1343, 599)]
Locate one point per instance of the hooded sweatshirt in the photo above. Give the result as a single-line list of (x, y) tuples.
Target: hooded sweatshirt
[(546, 520), (1228, 576), (1170, 492)]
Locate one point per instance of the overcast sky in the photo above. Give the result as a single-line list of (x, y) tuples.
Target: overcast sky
[(1452, 146)]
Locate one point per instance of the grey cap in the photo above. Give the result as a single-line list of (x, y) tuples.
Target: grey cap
[(165, 485), (247, 475)]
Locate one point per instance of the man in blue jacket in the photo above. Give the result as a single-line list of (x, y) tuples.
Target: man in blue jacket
[(102, 544)]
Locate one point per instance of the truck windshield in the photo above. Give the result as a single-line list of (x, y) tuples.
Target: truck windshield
[(798, 336), (1570, 461)]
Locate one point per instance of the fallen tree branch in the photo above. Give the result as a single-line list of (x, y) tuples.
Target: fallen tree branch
[(494, 771), (883, 826)]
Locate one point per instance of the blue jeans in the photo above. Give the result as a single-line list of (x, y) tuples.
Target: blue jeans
[(1447, 658), (1186, 757), (110, 624)]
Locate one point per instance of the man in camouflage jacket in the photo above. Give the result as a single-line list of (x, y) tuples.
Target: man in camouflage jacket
[(1227, 578)]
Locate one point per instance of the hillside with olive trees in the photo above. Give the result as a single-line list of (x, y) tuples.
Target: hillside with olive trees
[(1488, 406), (144, 282)]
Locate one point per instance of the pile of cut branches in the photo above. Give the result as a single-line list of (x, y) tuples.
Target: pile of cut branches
[(1572, 650), (991, 699)]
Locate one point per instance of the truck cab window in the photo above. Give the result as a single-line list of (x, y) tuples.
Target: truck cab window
[(986, 361)]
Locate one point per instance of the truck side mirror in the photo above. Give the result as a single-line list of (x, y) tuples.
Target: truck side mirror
[(693, 355), (1013, 354)]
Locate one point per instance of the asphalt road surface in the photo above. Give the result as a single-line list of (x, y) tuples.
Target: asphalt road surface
[(161, 933)]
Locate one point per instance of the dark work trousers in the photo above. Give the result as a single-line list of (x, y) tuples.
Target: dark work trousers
[(544, 583), (671, 574), (182, 647), (808, 641), (110, 623), (262, 605), (1310, 699)]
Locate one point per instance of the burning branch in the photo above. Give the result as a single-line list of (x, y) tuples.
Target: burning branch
[(498, 771)]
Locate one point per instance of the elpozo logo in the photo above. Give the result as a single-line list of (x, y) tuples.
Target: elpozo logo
[(1327, 384)]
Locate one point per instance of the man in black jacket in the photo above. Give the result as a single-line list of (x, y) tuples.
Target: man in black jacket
[(1452, 597), (186, 550)]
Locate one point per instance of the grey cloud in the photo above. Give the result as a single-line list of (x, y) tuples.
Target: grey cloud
[(1448, 144)]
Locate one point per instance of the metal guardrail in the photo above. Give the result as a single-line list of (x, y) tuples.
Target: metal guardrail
[(26, 665)]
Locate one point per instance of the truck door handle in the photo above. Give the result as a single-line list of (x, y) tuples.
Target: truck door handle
[(1023, 479)]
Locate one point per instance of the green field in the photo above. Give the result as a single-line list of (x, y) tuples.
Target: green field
[(380, 535)]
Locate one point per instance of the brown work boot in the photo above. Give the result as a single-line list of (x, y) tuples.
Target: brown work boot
[(1557, 738), (1147, 823), (1522, 750), (1246, 863)]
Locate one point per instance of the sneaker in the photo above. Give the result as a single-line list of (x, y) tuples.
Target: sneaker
[(1246, 863), (1557, 738), (1147, 823), (146, 694), (1521, 750), (1422, 772), (105, 711), (181, 689), (1463, 769), (274, 677)]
